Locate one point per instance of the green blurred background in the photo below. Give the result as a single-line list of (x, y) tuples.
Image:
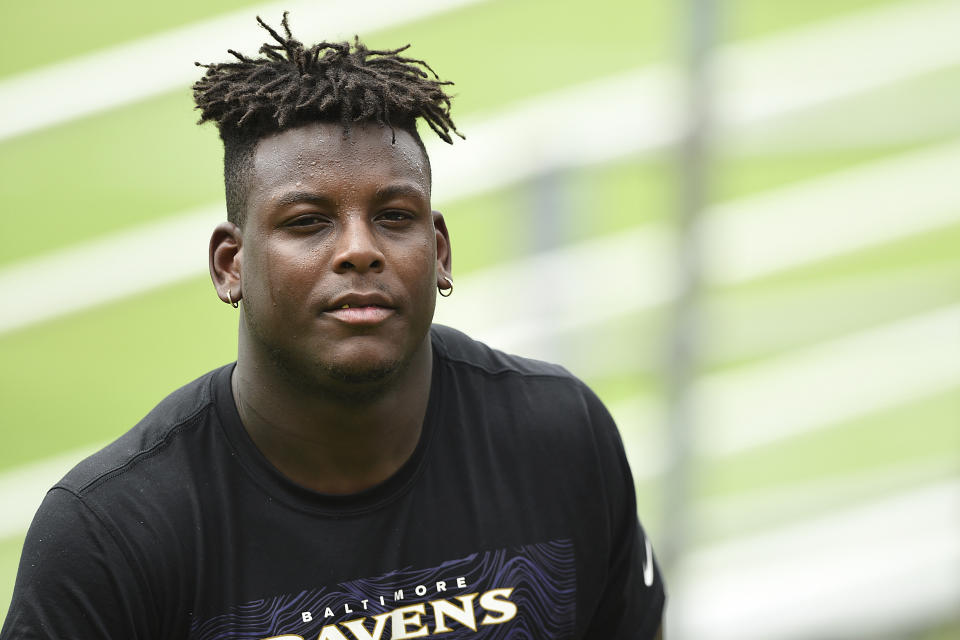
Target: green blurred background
[(823, 499)]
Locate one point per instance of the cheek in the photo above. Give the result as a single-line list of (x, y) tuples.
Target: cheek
[(422, 261), (278, 276), (427, 279)]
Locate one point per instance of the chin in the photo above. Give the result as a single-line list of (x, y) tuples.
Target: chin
[(365, 374), (362, 365), (363, 377)]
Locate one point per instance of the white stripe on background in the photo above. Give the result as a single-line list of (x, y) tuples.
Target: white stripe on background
[(34, 99), (761, 507), (860, 573), (758, 82), (831, 382), (818, 64), (806, 389), (754, 237), (109, 268)]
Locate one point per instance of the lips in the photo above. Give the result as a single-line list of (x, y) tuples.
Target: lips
[(360, 308)]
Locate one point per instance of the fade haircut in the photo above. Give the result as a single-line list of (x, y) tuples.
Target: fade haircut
[(291, 85)]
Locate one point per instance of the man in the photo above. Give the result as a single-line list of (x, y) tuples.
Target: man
[(357, 473)]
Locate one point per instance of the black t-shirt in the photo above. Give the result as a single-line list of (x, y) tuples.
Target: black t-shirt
[(514, 518)]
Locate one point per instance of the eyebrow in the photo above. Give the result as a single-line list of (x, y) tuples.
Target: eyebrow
[(308, 197), (381, 195), (397, 191)]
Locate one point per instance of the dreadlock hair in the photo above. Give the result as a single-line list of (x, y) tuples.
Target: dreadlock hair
[(291, 85)]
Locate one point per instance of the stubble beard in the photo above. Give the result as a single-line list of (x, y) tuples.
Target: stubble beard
[(334, 379), (349, 383)]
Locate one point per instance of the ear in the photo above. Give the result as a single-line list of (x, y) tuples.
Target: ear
[(444, 261), (226, 253)]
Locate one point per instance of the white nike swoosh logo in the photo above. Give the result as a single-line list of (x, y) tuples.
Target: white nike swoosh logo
[(648, 564)]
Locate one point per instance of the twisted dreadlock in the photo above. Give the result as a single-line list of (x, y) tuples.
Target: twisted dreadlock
[(291, 85)]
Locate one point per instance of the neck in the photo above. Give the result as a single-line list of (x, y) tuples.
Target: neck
[(332, 436)]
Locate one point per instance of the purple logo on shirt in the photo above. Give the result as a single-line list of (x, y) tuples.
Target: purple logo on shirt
[(521, 592)]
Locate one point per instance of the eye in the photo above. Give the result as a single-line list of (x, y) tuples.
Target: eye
[(395, 217), (306, 220)]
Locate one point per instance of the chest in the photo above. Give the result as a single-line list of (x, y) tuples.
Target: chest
[(451, 557)]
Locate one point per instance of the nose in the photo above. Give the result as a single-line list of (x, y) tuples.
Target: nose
[(357, 248)]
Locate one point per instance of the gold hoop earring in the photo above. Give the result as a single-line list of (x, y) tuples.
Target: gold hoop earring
[(230, 299), (449, 290)]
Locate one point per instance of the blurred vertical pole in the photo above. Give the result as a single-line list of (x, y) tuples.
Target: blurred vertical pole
[(683, 358), (551, 222)]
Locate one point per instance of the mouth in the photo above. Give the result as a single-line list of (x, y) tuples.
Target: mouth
[(365, 315), (360, 309)]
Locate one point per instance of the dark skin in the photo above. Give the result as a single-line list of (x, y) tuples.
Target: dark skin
[(334, 397)]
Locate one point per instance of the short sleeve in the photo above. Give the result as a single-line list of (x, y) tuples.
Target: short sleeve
[(73, 580), (634, 596)]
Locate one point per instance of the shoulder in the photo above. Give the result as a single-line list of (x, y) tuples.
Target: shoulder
[(108, 539), (466, 353), (545, 398), (178, 413)]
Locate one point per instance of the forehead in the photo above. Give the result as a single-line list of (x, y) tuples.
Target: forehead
[(325, 157)]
